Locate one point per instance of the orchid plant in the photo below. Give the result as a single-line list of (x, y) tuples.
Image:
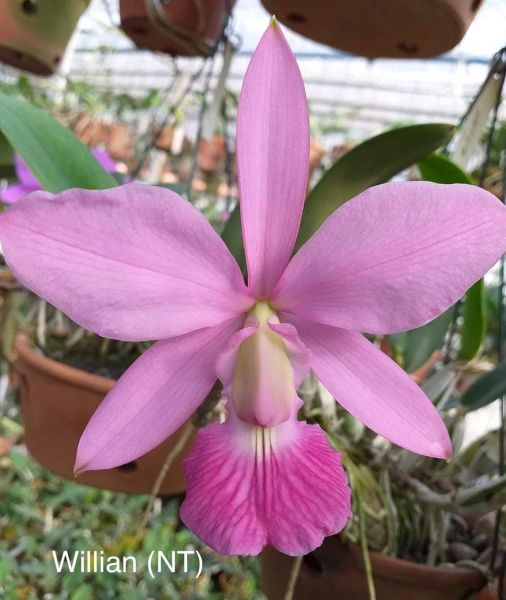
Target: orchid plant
[(28, 183), (140, 263)]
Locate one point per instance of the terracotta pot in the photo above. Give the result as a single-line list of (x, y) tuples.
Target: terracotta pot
[(119, 141), (211, 153), (316, 154), (336, 571), (6, 277), (57, 402), (90, 130), (35, 33), (386, 28), (164, 138), (178, 27), (340, 150)]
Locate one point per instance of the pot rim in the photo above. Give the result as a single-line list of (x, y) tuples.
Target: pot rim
[(402, 569), (23, 350)]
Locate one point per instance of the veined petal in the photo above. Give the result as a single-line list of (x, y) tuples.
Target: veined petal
[(248, 487), (153, 398), (394, 257), (374, 389), (272, 159), (131, 263)]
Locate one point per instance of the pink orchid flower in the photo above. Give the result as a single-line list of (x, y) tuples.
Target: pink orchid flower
[(27, 182), (140, 263)]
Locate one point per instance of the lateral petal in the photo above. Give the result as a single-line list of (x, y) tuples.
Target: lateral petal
[(153, 398), (394, 257), (374, 389), (131, 263)]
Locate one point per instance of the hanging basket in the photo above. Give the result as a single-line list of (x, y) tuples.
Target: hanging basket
[(35, 33), (57, 402), (178, 27), (386, 28)]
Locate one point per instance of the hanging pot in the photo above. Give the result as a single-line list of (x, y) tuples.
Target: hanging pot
[(90, 130), (316, 154), (335, 570), (35, 33), (164, 138), (177, 27), (386, 28), (119, 141), (57, 402), (211, 153)]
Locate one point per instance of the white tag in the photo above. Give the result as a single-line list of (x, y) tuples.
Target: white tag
[(468, 138)]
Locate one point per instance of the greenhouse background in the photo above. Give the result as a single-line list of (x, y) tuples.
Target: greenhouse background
[(421, 528)]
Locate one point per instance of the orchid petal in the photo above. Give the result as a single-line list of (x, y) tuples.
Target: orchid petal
[(131, 263), (272, 159), (248, 487), (374, 389), (257, 374), (24, 175), (394, 257), (261, 368), (153, 398), (13, 193), (106, 162), (300, 356), (227, 360)]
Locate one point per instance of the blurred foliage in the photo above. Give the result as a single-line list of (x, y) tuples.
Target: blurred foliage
[(57, 158), (372, 162), (413, 348), (41, 512), (417, 508), (408, 506)]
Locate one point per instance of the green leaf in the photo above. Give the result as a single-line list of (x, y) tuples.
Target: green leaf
[(481, 492), (232, 236), (6, 158), (441, 169), (418, 344), (83, 592), (57, 158), (485, 389), (474, 326), (372, 162)]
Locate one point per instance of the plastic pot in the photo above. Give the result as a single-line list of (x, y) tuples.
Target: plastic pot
[(178, 27), (390, 28), (57, 402), (35, 33)]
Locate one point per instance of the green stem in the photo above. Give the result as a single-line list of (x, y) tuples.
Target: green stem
[(357, 489), (363, 545)]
